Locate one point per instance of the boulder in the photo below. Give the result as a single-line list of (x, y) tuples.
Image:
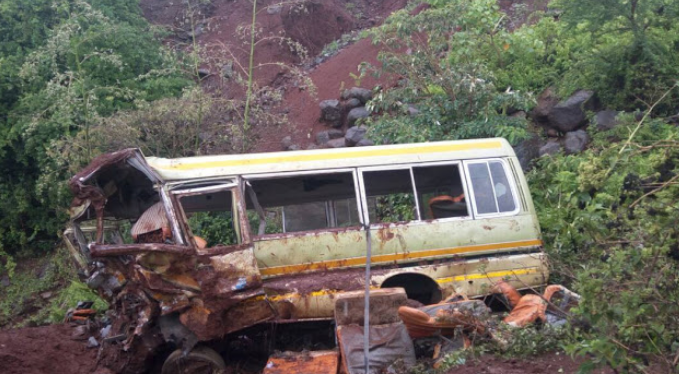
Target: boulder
[(528, 150), (288, 145), (364, 143), (325, 136), (355, 135), (336, 143), (274, 9), (363, 94), (551, 148), (606, 120), (575, 142), (545, 102), (356, 114), (331, 113), (569, 115), (352, 103)]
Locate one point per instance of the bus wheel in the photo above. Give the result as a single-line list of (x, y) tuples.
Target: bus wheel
[(200, 360)]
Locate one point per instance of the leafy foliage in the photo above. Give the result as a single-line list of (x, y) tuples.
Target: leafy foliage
[(437, 55), (609, 219), (65, 66)]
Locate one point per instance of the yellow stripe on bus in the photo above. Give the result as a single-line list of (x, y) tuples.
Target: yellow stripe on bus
[(301, 157), (377, 259), (495, 274), (459, 278)]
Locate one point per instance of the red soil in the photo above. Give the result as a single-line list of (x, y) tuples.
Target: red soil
[(47, 349)]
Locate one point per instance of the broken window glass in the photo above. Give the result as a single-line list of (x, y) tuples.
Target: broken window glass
[(210, 217), (303, 203), (390, 196), (492, 192), (440, 191)]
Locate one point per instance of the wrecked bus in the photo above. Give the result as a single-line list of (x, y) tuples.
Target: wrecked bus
[(211, 245)]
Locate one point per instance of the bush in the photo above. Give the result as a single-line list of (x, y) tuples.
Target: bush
[(608, 217)]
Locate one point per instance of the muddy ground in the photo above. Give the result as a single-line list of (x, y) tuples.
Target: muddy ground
[(53, 350)]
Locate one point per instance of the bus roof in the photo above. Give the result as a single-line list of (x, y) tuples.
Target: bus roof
[(188, 168)]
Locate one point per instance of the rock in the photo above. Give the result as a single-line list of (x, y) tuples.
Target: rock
[(569, 115), (356, 114), (606, 120), (364, 143), (331, 112), (352, 103), (105, 331), (92, 342), (412, 111), (362, 94), (203, 72), (528, 150), (294, 147), (552, 133), (4, 281), (286, 142), (80, 332), (575, 142), (355, 135), (227, 70), (312, 146), (325, 136), (198, 31), (274, 9), (551, 148), (46, 295), (336, 143), (520, 114), (545, 102)]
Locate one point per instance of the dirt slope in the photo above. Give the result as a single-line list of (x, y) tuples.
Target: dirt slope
[(46, 349)]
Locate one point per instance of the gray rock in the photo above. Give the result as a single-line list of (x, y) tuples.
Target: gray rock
[(569, 115), (227, 70), (92, 342), (336, 143), (46, 295), (551, 148), (363, 94), (412, 111), (198, 31), (352, 103), (325, 136), (80, 332), (286, 142), (552, 133), (274, 9), (355, 135), (203, 72), (331, 112), (606, 120), (575, 142), (528, 150), (356, 114), (545, 102), (105, 331), (294, 147), (312, 146), (364, 143)]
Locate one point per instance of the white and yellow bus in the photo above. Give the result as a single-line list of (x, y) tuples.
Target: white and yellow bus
[(226, 242)]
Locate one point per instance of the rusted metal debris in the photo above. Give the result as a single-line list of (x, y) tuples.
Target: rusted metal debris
[(317, 362)]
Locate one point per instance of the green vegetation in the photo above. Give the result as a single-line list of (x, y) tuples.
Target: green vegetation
[(608, 214), (66, 65), (43, 290)]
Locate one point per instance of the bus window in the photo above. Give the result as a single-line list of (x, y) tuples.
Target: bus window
[(210, 218), (305, 202), (390, 196), (440, 191), (492, 190)]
